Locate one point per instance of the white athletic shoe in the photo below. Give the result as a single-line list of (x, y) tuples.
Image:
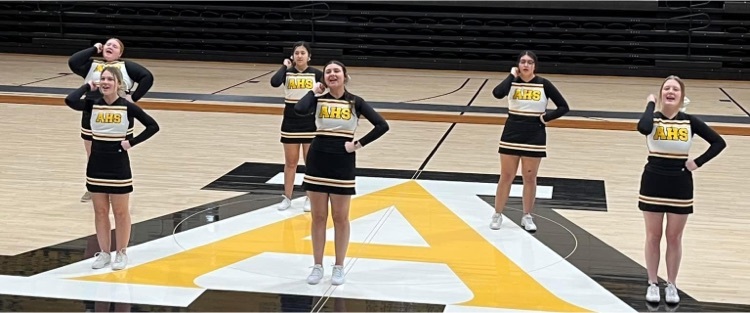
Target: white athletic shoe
[(121, 260), (337, 277), (285, 204), (316, 275), (527, 222), (102, 259), (86, 197), (670, 294), (652, 293), (497, 219), (307, 207)]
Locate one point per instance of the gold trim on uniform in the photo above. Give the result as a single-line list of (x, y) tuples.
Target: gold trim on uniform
[(337, 133), (668, 155), (663, 121), (524, 113), (334, 101), (109, 182), (298, 135), (527, 85), (329, 182), (85, 131), (112, 137), (103, 137), (665, 201), (524, 147), (110, 107)]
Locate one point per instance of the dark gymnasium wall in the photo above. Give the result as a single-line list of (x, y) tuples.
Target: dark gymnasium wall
[(697, 39)]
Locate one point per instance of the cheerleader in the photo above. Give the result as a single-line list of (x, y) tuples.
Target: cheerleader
[(82, 65), (330, 170), (524, 136), (667, 180), (108, 175), (297, 131)]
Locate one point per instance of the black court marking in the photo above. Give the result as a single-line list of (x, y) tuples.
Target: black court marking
[(725, 100), (441, 95), (46, 79), (568, 193), (447, 132), (428, 107), (735, 102)]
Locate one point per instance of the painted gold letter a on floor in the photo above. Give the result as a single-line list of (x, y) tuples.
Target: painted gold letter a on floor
[(492, 277)]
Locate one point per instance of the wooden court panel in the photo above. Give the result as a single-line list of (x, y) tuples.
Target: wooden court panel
[(719, 224), (738, 96), (623, 94), (387, 85), (21, 69), (596, 93), (44, 171)]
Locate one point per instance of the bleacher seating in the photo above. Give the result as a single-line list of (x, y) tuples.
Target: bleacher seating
[(699, 39)]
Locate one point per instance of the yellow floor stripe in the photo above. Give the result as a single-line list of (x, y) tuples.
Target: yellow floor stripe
[(493, 278)]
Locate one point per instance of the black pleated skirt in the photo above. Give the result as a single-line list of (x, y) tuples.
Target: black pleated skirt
[(108, 170), (666, 193), (296, 128), (330, 172), (524, 136)]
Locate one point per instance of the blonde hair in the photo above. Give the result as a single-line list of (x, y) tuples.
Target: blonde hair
[(118, 77), (661, 90)]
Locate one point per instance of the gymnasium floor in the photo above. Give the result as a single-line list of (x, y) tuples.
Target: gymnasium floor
[(207, 235)]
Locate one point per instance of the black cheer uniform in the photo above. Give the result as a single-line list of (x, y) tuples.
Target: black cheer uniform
[(524, 134), (666, 184), (296, 128), (108, 168), (330, 169), (82, 65)]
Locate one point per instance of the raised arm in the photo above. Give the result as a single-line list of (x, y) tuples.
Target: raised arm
[(646, 123), (74, 101), (502, 90), (80, 62), (278, 78), (142, 76)]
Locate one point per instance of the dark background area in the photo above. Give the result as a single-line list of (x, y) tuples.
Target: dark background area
[(696, 39)]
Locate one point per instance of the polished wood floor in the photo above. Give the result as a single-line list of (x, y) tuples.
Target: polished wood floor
[(42, 160)]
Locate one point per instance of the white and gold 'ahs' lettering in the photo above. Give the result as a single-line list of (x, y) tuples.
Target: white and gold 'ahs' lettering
[(335, 112), (300, 83), (527, 94), (671, 133), (109, 118)]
